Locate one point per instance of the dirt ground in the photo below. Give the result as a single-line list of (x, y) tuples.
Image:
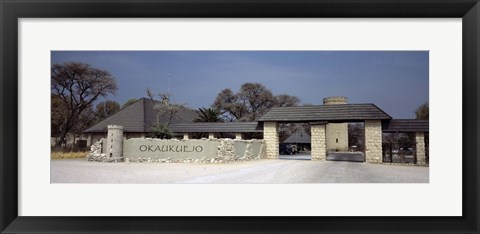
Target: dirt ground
[(268, 171)]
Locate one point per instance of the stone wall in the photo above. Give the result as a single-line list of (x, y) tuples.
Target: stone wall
[(270, 134), (94, 137), (319, 144), (373, 141), (96, 151), (335, 100), (193, 150)]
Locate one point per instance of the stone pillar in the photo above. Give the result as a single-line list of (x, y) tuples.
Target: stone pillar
[(114, 141), (238, 135), (186, 136), (373, 141), (211, 135), (270, 135), (337, 133), (420, 148), (318, 140), (337, 136)]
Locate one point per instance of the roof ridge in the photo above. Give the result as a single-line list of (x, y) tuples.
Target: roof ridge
[(382, 111), (347, 104), (94, 126), (344, 112)]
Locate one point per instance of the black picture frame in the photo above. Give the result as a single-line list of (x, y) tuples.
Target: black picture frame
[(11, 11)]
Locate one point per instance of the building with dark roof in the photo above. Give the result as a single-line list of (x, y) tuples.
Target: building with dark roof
[(331, 113), (300, 138), (223, 129), (406, 125), (139, 118)]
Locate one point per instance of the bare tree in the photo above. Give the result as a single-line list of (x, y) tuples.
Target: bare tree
[(165, 113), (150, 93), (285, 100), (251, 102), (229, 105), (78, 85)]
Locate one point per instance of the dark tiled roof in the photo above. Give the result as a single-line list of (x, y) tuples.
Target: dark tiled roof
[(406, 125), (218, 127), (142, 115), (330, 113), (298, 137)]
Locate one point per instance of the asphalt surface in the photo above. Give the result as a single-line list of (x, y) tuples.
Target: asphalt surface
[(267, 171)]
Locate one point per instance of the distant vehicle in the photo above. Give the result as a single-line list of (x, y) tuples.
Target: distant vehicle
[(406, 150), (294, 149), (353, 148), (286, 149)]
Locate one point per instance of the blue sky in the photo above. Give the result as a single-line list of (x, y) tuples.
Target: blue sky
[(396, 81)]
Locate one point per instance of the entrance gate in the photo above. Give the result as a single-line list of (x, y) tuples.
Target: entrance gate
[(318, 117), (375, 122)]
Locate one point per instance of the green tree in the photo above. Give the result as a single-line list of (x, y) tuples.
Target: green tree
[(208, 115), (78, 85), (161, 131), (106, 109), (129, 102), (422, 111), (406, 140), (58, 115)]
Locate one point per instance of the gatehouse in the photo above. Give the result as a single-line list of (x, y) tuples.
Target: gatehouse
[(328, 127)]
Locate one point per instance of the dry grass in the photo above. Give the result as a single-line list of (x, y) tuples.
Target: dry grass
[(67, 155)]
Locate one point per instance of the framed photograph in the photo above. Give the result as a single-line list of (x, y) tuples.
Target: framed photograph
[(428, 50)]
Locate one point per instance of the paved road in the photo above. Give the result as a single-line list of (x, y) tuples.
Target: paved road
[(258, 171)]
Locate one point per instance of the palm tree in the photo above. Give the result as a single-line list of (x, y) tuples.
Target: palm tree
[(208, 115)]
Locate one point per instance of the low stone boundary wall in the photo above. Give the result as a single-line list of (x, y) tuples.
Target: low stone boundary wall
[(186, 151)]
